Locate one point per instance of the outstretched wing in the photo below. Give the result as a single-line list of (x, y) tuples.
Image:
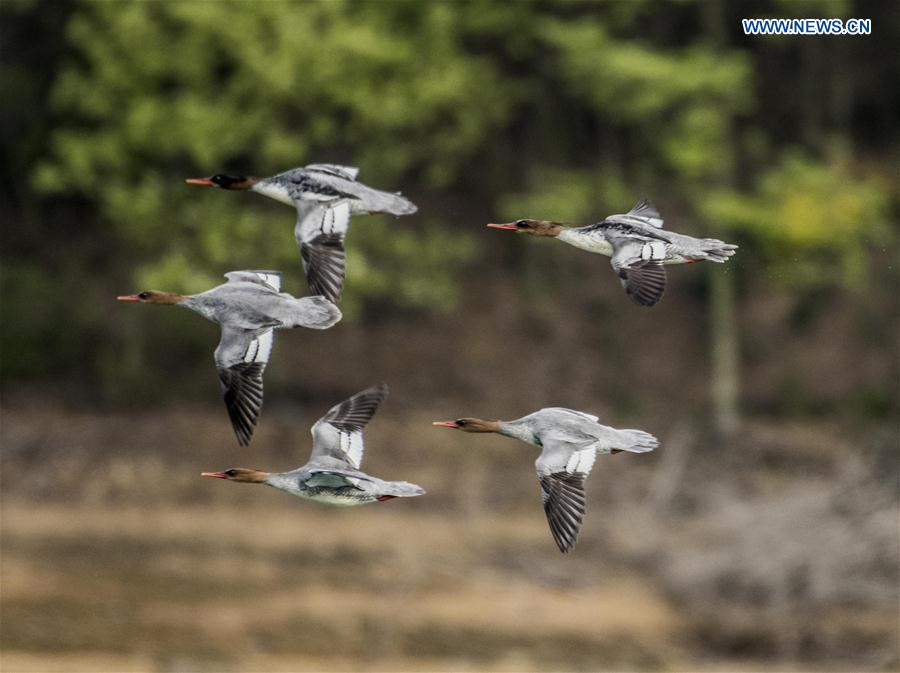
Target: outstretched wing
[(270, 278), (241, 358), (638, 265), (643, 212), (561, 470), (339, 433), (563, 496), (320, 233), (567, 411), (346, 172)]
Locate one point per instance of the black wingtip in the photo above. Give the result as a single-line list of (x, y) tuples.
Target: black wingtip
[(380, 388), (644, 283), (243, 395), (324, 260), (564, 505)]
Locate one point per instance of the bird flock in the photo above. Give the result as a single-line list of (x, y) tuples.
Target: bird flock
[(250, 306)]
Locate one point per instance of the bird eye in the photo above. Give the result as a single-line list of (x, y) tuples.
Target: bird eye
[(230, 473), (461, 422), (143, 295), (521, 224)]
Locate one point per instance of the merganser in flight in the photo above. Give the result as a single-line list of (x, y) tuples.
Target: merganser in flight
[(325, 196), (569, 441), (248, 307), (638, 245), (332, 475)]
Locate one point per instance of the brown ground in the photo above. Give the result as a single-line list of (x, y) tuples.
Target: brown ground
[(118, 557)]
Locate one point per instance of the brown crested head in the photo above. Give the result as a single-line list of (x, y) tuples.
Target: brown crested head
[(153, 297), (470, 425), (239, 474), (531, 227), (223, 181)]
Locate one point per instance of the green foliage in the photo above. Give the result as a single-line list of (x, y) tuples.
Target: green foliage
[(569, 196), (260, 88), (566, 111), (814, 221)]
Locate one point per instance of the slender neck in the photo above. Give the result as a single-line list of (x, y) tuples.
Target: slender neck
[(246, 183), (273, 189), (556, 230), (566, 233), (518, 431), (202, 305), (167, 298)]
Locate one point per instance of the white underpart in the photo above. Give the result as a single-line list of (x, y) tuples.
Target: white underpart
[(581, 461), (336, 500), (260, 348), (592, 242), (273, 191)]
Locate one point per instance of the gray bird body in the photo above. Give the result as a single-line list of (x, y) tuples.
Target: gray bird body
[(640, 247), (249, 307), (569, 441), (332, 475), (329, 185), (325, 196), (253, 306), (574, 431)]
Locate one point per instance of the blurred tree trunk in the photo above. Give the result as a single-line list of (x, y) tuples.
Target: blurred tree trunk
[(725, 371), (725, 380)]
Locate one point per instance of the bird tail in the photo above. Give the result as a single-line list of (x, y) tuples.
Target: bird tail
[(716, 251), (315, 313), (636, 441), (377, 201), (402, 489)]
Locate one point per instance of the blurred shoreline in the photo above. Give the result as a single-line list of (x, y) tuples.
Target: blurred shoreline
[(783, 558)]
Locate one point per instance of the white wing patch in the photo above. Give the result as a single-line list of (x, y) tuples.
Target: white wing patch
[(336, 219), (352, 446), (581, 461), (270, 278), (260, 348), (653, 251)]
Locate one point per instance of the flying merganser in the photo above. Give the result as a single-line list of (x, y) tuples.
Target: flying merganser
[(569, 441), (249, 307), (638, 245), (325, 196), (332, 475)]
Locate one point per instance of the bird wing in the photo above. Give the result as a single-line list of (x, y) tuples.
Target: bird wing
[(643, 212), (339, 433), (241, 358), (561, 469), (346, 172), (320, 232), (332, 479), (637, 263), (565, 410), (271, 279)]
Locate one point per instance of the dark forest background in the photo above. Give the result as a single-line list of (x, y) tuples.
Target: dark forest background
[(763, 532)]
